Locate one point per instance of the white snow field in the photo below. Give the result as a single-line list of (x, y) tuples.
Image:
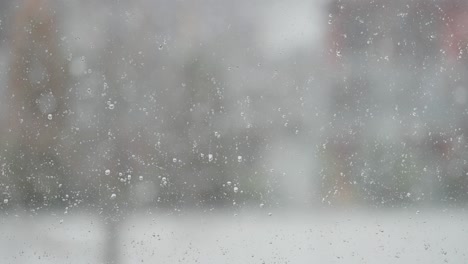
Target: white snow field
[(352, 236)]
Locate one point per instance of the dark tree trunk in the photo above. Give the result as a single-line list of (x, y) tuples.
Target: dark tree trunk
[(112, 242)]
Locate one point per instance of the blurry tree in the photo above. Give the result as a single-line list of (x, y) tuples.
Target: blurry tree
[(39, 108), (398, 94)]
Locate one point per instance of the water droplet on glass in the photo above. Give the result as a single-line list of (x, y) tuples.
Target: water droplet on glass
[(163, 181), (236, 189), (113, 196), (239, 158), (107, 172), (210, 157), (49, 116), (5, 201)]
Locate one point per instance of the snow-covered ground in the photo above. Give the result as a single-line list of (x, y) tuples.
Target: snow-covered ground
[(352, 236)]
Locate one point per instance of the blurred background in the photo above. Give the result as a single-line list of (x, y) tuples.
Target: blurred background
[(172, 131)]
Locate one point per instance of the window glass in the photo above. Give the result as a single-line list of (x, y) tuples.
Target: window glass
[(233, 131)]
